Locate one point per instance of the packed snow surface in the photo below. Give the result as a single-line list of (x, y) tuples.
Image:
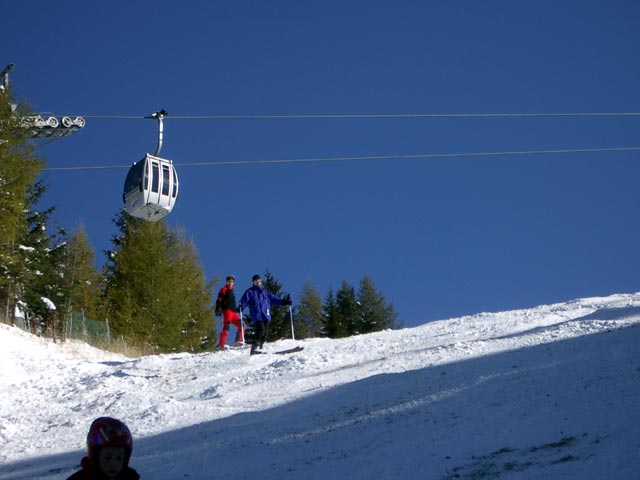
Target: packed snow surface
[(551, 392)]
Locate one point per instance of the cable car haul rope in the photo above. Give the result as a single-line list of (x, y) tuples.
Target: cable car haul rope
[(162, 114), (372, 115), (364, 158), (151, 186)]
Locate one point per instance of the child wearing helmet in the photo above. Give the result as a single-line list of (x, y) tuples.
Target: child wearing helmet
[(109, 445)]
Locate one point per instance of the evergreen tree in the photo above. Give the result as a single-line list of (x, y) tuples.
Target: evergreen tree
[(333, 326), (198, 296), (43, 259), (374, 314), (347, 309), (309, 319), (81, 280), (280, 326), (19, 169), (156, 290)]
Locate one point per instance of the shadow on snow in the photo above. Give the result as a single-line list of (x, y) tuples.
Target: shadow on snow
[(564, 407)]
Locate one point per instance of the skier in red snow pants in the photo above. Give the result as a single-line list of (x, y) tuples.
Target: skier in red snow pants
[(226, 306)]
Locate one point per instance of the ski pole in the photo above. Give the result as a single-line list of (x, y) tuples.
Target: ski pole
[(293, 337), (242, 328), (221, 329)]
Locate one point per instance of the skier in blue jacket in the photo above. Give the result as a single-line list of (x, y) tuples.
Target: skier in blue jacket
[(259, 301)]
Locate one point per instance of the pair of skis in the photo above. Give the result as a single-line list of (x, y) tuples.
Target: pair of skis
[(280, 352), (293, 337), (290, 350)]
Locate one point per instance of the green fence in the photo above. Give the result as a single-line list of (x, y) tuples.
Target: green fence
[(93, 332)]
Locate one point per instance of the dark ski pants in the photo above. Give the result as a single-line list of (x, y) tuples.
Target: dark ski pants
[(261, 329)]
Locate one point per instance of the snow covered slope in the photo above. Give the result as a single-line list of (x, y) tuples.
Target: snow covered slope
[(548, 392)]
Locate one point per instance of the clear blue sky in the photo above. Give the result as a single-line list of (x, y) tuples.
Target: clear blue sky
[(441, 237)]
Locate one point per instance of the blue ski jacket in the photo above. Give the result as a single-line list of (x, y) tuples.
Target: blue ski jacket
[(259, 301)]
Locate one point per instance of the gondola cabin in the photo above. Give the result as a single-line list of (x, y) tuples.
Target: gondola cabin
[(151, 188)]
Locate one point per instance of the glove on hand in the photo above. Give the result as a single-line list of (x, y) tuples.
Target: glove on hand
[(218, 313), (287, 300)]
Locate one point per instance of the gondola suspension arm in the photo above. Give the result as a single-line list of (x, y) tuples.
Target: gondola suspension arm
[(159, 116)]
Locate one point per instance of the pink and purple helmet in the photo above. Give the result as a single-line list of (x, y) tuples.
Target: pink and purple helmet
[(108, 432)]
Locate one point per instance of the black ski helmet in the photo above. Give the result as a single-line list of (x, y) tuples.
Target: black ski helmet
[(256, 277), (108, 432)]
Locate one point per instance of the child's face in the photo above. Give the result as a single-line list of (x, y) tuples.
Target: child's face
[(111, 461)]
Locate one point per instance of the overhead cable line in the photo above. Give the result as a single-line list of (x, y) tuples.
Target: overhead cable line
[(366, 158), (367, 115)]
